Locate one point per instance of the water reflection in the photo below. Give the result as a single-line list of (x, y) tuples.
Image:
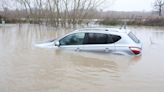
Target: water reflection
[(95, 65), (25, 68)]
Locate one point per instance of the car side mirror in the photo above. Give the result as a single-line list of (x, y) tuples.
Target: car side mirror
[(57, 43)]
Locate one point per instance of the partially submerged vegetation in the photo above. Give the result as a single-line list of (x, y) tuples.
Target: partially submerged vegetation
[(140, 21), (150, 21), (159, 21), (74, 12), (110, 21), (52, 12)]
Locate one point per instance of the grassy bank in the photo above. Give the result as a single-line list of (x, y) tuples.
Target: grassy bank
[(150, 21)]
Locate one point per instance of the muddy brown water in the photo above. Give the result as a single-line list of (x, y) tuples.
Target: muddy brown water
[(26, 68)]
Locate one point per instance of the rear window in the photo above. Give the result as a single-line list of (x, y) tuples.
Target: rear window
[(133, 37)]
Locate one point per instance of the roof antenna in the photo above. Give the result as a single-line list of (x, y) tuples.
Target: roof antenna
[(124, 25)]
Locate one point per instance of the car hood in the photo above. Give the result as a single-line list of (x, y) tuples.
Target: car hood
[(46, 44)]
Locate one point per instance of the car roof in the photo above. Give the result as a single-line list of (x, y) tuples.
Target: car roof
[(103, 30)]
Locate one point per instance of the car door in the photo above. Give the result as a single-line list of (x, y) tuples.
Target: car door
[(97, 42), (72, 41)]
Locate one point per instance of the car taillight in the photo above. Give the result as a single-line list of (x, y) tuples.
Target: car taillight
[(135, 50)]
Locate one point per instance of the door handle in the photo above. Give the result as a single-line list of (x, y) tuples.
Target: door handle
[(77, 49), (106, 49)]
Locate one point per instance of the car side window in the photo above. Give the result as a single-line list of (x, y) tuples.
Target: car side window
[(73, 39), (96, 38), (100, 38)]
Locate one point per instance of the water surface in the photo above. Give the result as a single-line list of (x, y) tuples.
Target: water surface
[(26, 68)]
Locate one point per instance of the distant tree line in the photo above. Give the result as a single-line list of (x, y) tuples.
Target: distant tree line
[(159, 6), (72, 12), (55, 12), (154, 19)]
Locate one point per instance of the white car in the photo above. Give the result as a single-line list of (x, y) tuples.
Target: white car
[(107, 40)]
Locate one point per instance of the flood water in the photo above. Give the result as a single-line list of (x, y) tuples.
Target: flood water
[(26, 68)]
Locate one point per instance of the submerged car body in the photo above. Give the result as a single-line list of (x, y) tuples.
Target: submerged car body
[(108, 40)]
